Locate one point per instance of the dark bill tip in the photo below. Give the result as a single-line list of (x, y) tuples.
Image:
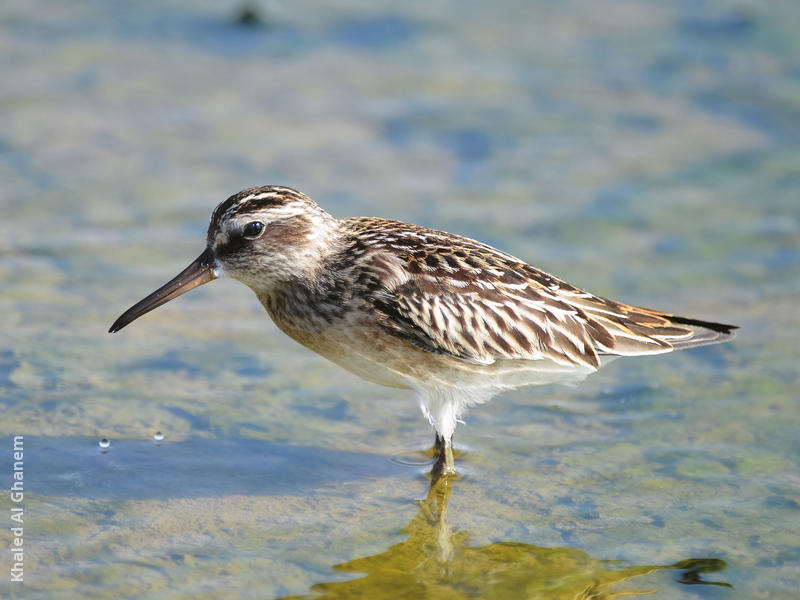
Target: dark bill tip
[(199, 272)]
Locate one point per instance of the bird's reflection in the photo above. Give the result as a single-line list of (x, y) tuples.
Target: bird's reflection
[(436, 562)]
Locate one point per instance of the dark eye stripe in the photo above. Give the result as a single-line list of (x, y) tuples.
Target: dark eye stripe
[(234, 245)]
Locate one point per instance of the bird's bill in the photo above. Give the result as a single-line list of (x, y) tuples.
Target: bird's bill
[(201, 271)]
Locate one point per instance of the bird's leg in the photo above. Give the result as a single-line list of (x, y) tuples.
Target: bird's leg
[(444, 465)]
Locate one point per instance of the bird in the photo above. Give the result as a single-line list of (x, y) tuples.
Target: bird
[(452, 319)]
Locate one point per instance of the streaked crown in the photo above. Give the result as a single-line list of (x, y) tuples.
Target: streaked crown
[(253, 200)]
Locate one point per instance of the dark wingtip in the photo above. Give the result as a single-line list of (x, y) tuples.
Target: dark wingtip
[(718, 327)]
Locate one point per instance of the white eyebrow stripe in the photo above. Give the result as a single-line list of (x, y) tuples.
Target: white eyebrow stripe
[(260, 196)]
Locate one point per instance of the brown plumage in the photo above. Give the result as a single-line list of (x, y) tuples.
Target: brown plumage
[(461, 298), (405, 306)]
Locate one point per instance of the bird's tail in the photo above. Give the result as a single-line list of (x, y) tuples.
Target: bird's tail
[(703, 333), (637, 331)]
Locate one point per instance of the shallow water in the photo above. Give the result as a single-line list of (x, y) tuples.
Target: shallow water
[(643, 151)]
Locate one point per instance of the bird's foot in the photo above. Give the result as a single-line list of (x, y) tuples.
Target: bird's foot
[(445, 465)]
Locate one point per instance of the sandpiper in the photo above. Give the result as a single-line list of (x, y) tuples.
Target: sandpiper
[(450, 318)]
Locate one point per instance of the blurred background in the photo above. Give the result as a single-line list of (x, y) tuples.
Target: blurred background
[(646, 151)]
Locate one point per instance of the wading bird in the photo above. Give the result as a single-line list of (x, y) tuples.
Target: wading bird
[(450, 318)]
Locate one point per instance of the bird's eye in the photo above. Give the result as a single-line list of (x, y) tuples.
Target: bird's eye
[(253, 229)]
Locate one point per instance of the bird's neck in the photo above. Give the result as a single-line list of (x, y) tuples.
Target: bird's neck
[(305, 293), (302, 307)]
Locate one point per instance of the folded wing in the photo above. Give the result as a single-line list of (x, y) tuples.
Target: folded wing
[(475, 303)]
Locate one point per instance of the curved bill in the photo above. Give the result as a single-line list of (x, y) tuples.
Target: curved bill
[(201, 271)]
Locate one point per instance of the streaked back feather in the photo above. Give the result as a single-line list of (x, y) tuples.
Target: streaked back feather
[(458, 297)]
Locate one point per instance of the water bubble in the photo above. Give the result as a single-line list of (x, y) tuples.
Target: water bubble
[(104, 444), (158, 436)]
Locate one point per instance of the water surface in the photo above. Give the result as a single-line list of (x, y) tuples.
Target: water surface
[(643, 151)]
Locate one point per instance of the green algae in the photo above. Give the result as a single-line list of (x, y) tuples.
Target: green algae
[(437, 562)]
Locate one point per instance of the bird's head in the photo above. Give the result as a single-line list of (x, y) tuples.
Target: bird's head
[(262, 236)]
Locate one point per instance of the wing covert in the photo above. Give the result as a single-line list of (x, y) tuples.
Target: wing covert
[(454, 296), (481, 313)]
